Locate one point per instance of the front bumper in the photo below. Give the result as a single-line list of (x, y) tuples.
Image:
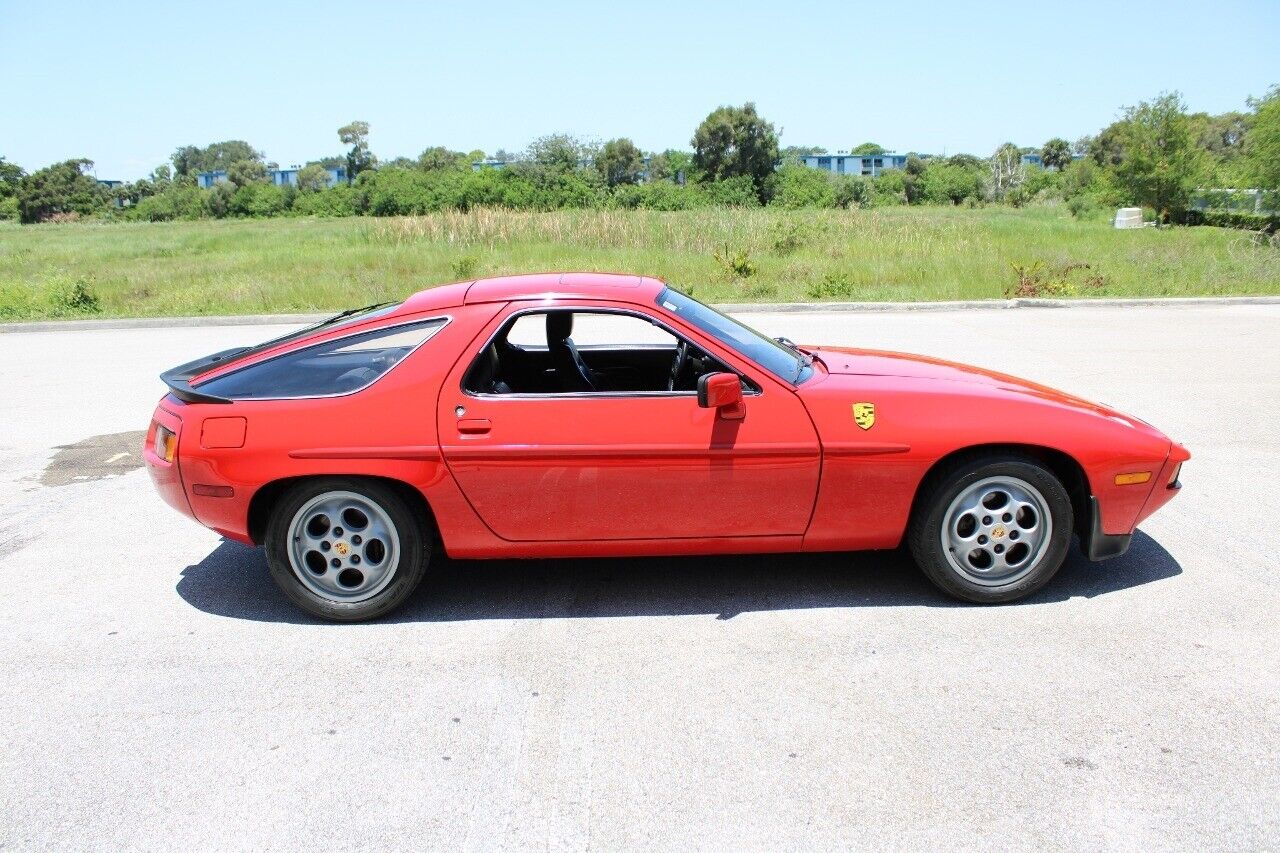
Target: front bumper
[(1098, 545)]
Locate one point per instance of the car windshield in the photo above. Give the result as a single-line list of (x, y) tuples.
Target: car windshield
[(785, 362)]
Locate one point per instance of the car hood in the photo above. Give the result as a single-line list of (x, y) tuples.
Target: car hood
[(842, 361)]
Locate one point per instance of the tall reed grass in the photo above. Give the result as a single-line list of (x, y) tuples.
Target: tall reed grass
[(722, 255)]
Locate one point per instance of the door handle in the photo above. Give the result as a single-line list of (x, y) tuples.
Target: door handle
[(474, 426)]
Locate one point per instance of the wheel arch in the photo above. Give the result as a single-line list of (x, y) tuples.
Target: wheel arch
[(1063, 466), (265, 499)]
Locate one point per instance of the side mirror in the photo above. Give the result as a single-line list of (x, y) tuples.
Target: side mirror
[(722, 391)]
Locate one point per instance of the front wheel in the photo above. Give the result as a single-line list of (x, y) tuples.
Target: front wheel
[(346, 549), (992, 529)]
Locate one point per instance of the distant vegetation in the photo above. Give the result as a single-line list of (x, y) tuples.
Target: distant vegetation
[(736, 219), (720, 254), (1154, 156)]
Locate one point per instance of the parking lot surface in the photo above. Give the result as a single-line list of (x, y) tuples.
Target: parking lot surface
[(157, 691)]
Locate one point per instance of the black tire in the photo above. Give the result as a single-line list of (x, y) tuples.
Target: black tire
[(414, 547), (925, 532)]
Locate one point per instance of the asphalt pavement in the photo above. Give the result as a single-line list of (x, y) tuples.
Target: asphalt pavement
[(157, 692)]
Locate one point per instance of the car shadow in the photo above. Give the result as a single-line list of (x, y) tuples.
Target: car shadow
[(233, 581)]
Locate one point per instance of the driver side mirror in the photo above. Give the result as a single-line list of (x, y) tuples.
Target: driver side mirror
[(722, 391)]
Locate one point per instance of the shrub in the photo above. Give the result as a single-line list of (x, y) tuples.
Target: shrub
[(176, 202), (732, 192), (659, 195), (73, 297), (942, 183), (797, 186), (464, 267), (218, 199), (889, 187), (1067, 279), (1084, 207), (834, 285), (1041, 183), (853, 191), (760, 290), (736, 263), (258, 200), (339, 200), (788, 235), (401, 192), (9, 207), (1233, 219)]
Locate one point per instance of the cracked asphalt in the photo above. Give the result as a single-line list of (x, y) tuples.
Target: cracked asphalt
[(158, 693)]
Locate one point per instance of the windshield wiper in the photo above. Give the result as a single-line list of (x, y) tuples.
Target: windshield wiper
[(806, 360)]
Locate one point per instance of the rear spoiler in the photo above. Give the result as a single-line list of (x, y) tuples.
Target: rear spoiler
[(179, 378)]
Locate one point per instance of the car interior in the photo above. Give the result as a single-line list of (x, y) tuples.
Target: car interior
[(535, 353)]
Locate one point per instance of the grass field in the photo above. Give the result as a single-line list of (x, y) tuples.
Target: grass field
[(910, 254)]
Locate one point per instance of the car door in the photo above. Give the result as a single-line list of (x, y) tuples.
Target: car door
[(634, 465)]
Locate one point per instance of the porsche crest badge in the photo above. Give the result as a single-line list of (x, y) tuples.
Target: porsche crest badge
[(864, 414)]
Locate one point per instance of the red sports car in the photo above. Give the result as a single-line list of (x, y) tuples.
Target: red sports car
[(583, 414)]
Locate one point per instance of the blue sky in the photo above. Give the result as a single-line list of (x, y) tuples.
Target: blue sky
[(124, 83)]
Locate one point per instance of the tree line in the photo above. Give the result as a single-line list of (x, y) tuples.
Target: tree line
[(1157, 154)]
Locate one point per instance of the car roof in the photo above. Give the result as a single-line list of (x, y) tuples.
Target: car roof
[(616, 287)]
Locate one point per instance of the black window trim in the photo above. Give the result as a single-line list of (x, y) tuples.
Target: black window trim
[(752, 388), (446, 318)]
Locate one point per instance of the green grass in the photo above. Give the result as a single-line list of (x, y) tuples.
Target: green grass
[(910, 254)]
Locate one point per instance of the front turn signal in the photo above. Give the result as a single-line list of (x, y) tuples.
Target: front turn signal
[(1133, 478)]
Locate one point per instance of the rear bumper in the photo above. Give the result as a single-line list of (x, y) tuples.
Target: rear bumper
[(166, 475), (1098, 545)]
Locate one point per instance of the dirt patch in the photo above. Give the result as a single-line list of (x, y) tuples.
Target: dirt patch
[(95, 458)]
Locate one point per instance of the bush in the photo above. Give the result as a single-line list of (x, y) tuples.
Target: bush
[(659, 195), (259, 200), (1041, 183), (853, 191), (1233, 219), (176, 202), (736, 263), (464, 267), (1038, 279), (218, 199), (787, 237), (401, 192), (339, 200), (9, 208), (942, 183), (73, 297), (796, 186), (732, 192), (834, 285), (889, 187), (1084, 207)]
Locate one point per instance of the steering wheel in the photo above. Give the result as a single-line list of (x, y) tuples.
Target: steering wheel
[(678, 364)]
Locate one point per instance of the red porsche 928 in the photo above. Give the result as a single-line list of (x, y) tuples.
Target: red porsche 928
[(583, 414)]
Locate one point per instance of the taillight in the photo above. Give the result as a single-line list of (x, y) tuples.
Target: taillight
[(166, 443)]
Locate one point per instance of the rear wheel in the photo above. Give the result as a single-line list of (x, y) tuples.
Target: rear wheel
[(992, 529), (346, 549)]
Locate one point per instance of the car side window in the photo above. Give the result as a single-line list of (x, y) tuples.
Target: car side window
[(601, 330), (338, 366), (583, 352)]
